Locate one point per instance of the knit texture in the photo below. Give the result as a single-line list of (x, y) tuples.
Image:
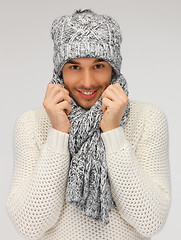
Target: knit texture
[(87, 34), (88, 185), (138, 166)]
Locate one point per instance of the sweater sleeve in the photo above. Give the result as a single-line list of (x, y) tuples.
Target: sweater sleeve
[(38, 185), (140, 179)]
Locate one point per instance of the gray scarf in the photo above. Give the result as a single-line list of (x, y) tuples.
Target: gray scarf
[(88, 186)]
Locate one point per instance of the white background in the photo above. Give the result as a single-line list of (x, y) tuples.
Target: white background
[(151, 51)]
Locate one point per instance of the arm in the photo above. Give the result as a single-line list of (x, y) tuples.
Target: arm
[(140, 180), (38, 187)]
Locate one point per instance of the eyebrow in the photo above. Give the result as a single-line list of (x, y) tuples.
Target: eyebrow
[(97, 60)]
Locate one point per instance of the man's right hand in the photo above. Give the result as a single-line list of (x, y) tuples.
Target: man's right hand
[(57, 100)]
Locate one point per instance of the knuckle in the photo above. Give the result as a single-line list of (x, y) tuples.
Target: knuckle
[(66, 91), (60, 93), (104, 100), (44, 103), (126, 99), (60, 88), (56, 86), (51, 85), (66, 103), (70, 99)]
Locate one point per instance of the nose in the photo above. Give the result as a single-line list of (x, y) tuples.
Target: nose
[(87, 80)]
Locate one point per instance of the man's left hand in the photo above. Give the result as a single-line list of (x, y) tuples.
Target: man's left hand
[(114, 102)]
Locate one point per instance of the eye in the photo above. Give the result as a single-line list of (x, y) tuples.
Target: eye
[(99, 66), (74, 66)]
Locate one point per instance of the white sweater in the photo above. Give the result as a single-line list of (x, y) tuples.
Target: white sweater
[(138, 166)]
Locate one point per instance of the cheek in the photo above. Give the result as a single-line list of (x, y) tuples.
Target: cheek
[(66, 79), (108, 80), (69, 77)]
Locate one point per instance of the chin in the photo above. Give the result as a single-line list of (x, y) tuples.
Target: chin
[(86, 106)]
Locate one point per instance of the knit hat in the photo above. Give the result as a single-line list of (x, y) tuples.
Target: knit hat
[(87, 34)]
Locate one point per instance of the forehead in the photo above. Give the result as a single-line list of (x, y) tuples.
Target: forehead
[(85, 59)]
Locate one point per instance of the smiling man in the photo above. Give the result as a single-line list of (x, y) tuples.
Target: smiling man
[(90, 163), (89, 78)]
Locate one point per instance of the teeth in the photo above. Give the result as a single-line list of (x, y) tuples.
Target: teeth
[(88, 93)]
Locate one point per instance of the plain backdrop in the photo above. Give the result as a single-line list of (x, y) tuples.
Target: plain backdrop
[(151, 51)]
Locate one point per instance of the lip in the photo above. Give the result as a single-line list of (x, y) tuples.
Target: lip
[(87, 96)]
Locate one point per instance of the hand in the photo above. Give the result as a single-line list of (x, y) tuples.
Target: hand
[(57, 105), (114, 102)]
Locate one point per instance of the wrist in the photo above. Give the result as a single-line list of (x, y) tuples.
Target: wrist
[(64, 130), (114, 140), (109, 128), (57, 141)]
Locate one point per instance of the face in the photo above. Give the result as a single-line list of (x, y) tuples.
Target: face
[(86, 75)]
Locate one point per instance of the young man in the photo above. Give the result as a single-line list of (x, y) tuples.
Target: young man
[(90, 163)]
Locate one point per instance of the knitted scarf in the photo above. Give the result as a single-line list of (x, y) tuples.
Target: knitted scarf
[(88, 185)]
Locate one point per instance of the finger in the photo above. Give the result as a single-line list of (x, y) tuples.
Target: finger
[(106, 102), (58, 94), (110, 94), (118, 88), (123, 96), (53, 89), (115, 93), (65, 106), (61, 96)]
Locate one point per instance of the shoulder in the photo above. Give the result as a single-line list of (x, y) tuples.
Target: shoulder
[(144, 118), (149, 110), (33, 115), (153, 116), (36, 122)]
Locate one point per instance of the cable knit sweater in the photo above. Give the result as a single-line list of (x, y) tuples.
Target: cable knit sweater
[(137, 157)]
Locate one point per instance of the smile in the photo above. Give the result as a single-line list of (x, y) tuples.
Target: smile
[(87, 95)]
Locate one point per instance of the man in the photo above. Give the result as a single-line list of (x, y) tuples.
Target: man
[(90, 163)]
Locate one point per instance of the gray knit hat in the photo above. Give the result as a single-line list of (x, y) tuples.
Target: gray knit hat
[(86, 34)]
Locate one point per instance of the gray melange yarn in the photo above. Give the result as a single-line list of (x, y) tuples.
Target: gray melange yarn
[(87, 34)]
